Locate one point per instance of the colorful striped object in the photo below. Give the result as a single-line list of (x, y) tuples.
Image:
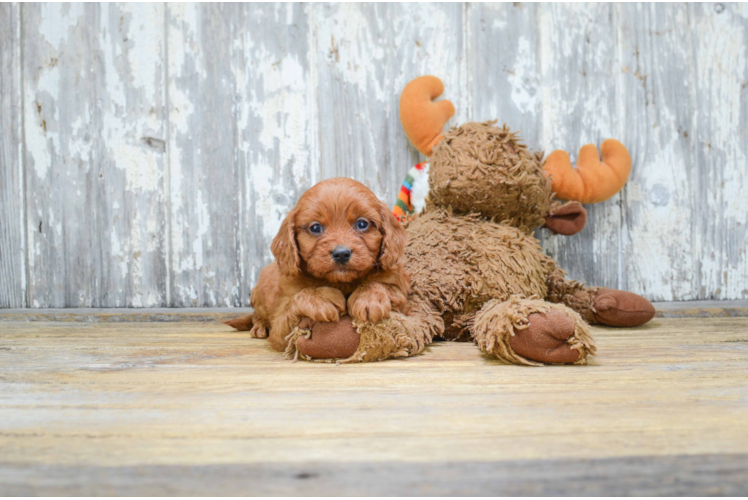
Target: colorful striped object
[(412, 195)]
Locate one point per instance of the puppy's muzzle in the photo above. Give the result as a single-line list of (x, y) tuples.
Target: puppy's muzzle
[(341, 254)]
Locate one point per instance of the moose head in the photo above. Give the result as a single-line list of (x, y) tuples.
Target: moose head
[(482, 168)]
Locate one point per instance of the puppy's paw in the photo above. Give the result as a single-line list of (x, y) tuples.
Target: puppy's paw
[(320, 304), (370, 303), (259, 330)]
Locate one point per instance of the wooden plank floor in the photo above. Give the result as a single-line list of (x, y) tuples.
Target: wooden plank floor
[(194, 408)]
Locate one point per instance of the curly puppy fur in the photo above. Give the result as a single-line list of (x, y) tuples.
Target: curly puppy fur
[(306, 280)]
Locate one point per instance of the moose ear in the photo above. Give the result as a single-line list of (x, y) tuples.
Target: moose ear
[(423, 118), (567, 219), (593, 180)]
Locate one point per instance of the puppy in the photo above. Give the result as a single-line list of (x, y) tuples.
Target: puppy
[(337, 251)]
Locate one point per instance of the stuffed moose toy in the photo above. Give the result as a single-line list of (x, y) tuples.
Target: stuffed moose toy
[(476, 271)]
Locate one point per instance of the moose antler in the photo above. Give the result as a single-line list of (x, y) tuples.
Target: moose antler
[(593, 180), (423, 119)]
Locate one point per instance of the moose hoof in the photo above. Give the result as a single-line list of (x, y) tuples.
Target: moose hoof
[(619, 308), (334, 340), (545, 339)]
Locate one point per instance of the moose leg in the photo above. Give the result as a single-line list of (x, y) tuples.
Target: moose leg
[(354, 341), (599, 305), (532, 332)]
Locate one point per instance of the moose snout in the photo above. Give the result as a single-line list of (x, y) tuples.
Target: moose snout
[(341, 254)]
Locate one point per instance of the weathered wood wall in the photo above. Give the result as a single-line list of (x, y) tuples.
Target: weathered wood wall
[(148, 153)]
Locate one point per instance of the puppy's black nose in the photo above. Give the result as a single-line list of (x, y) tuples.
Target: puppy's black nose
[(341, 254)]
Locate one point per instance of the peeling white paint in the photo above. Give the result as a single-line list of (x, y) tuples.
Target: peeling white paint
[(282, 135), (56, 21), (585, 75), (36, 140), (141, 170), (145, 56), (524, 95), (352, 49), (721, 61)]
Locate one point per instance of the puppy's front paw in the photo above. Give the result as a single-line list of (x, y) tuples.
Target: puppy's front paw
[(370, 303), (320, 304)]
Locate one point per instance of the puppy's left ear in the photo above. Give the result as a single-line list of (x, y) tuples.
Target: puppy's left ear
[(394, 238)]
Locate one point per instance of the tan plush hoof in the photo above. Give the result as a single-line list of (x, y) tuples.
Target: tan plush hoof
[(619, 308), (335, 340), (544, 340)]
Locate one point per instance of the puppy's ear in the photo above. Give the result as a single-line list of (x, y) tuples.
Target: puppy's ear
[(394, 238), (284, 247)]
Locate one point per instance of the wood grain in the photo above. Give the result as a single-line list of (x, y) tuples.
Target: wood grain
[(78, 396), (203, 165), (579, 96), (658, 201), (276, 100), (60, 123), (12, 247), (687, 309), (159, 147), (132, 205), (719, 36), (505, 67), (685, 475), (363, 52), (94, 136)]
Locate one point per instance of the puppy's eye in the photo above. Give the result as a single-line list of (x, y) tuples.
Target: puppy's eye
[(362, 224), (316, 228)]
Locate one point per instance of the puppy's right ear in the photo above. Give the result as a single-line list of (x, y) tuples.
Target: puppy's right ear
[(284, 247), (394, 239)]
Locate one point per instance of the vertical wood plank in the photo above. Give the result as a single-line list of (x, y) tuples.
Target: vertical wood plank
[(60, 133), (366, 54), (12, 259), (92, 108), (658, 123), (132, 149), (205, 186), (275, 99), (719, 34), (579, 99), (506, 67)]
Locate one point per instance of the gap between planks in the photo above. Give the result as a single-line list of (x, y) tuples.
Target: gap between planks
[(689, 309)]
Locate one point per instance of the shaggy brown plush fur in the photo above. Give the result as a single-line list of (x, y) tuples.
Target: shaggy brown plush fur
[(480, 168), (499, 321), (459, 262)]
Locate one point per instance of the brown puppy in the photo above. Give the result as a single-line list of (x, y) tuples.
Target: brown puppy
[(338, 251)]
